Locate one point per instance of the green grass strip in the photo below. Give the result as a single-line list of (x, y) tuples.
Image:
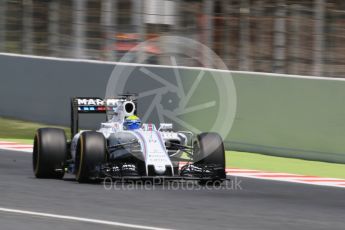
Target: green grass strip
[(20, 141), (17, 129), (286, 165)]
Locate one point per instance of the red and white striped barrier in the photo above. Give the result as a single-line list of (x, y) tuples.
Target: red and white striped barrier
[(9, 145), (250, 173), (286, 177)]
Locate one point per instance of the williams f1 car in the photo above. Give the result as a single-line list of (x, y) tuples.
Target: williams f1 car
[(120, 151)]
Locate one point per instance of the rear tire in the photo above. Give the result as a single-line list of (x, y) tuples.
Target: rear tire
[(209, 150), (49, 153), (91, 152)]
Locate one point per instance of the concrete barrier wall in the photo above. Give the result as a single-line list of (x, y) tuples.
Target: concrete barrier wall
[(290, 116), (293, 116)]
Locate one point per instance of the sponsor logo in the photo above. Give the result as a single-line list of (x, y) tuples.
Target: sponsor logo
[(102, 108), (95, 102), (112, 102), (91, 108)]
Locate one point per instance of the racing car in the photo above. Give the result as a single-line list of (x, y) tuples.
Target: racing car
[(123, 148)]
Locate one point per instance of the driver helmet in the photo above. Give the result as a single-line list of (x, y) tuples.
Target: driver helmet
[(132, 122)]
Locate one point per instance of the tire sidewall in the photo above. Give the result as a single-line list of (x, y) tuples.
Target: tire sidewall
[(91, 151), (49, 153), (208, 149)]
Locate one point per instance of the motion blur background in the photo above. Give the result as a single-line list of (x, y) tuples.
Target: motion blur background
[(303, 37)]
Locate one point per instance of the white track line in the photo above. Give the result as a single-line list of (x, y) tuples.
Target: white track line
[(79, 219)]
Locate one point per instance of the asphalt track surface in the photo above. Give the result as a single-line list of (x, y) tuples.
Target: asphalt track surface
[(254, 204)]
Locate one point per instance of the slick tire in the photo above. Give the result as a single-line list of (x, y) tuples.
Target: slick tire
[(208, 149), (91, 152), (49, 153)]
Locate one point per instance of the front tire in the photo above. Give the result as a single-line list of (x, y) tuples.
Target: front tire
[(209, 151), (49, 153), (91, 152)]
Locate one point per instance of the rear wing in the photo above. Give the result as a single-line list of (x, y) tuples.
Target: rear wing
[(94, 105)]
